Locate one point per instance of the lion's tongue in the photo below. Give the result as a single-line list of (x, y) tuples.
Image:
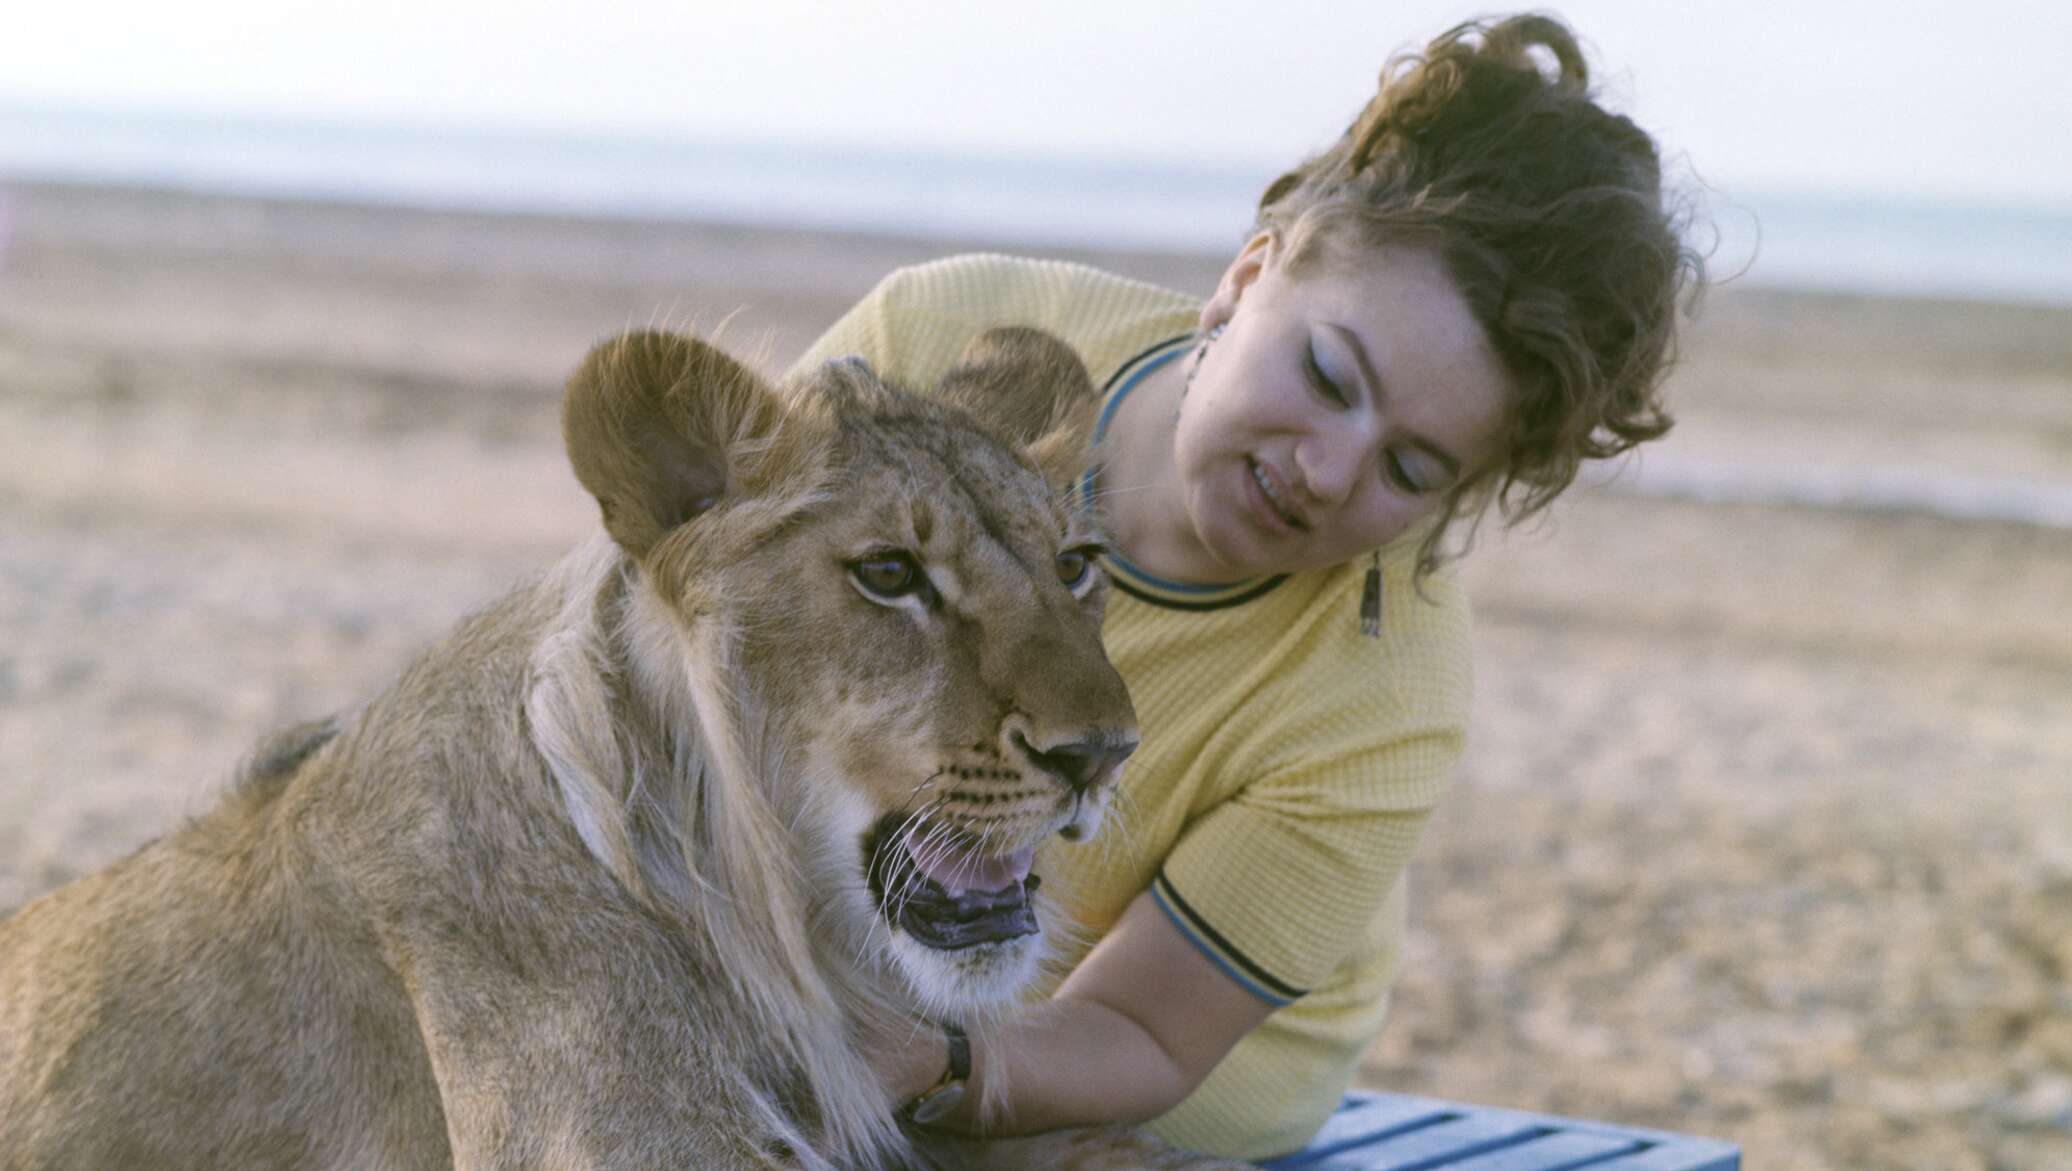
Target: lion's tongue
[(958, 871)]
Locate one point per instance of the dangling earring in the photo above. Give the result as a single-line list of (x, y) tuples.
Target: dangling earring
[(1200, 352), (1370, 599)]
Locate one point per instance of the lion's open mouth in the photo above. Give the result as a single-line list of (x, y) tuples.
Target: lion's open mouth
[(938, 887)]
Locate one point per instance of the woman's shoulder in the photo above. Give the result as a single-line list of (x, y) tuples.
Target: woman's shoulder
[(971, 279), (929, 311)]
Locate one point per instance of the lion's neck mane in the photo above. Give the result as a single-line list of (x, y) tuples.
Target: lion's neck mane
[(673, 778)]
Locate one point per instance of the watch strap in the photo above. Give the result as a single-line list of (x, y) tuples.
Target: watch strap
[(937, 1101)]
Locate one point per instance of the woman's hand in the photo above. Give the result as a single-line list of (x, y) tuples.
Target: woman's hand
[(1134, 1029)]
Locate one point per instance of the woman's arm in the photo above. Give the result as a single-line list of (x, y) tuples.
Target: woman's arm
[(1135, 1028)]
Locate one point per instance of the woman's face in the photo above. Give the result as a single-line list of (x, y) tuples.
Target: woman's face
[(1336, 409)]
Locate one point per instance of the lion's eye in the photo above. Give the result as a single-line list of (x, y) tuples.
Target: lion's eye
[(887, 575), (1074, 564)]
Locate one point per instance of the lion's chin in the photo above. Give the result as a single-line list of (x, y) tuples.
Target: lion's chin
[(970, 981)]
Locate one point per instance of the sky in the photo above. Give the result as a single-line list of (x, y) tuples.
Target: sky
[(1933, 100)]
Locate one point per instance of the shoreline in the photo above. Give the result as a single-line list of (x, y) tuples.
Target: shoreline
[(894, 241), (1831, 444)]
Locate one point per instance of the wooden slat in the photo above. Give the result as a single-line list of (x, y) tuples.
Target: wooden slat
[(1564, 1150), (1683, 1154), (1365, 1119), (1443, 1145), (1401, 1132)]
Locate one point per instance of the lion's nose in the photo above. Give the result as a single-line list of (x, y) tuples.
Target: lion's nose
[(1079, 763)]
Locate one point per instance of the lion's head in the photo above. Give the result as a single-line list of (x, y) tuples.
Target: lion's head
[(880, 613)]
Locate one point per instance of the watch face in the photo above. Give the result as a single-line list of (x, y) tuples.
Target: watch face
[(936, 1104)]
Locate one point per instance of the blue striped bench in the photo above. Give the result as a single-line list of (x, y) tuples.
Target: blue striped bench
[(1398, 1132)]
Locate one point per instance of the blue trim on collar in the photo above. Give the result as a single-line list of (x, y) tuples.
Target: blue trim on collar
[(1143, 364), (1179, 587)]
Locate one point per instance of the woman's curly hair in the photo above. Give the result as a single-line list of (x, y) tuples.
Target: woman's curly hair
[(1548, 212)]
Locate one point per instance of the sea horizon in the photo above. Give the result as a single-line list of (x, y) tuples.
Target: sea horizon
[(1802, 241)]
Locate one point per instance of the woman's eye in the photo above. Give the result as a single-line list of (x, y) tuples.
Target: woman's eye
[(887, 575), (1403, 475), (1320, 380), (1073, 566)]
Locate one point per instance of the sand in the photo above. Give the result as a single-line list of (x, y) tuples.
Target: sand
[(1764, 829)]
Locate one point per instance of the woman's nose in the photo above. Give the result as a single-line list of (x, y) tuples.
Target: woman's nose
[(1332, 462)]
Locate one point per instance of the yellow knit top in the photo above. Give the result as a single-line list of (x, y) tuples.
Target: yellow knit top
[(1289, 763)]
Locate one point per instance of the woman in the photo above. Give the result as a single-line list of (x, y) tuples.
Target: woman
[(1470, 293)]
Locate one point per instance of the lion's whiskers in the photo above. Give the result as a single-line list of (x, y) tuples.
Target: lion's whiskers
[(1117, 823)]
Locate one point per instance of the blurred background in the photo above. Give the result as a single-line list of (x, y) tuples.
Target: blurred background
[(1764, 829)]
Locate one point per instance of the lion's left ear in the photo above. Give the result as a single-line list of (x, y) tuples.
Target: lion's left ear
[(1030, 389)]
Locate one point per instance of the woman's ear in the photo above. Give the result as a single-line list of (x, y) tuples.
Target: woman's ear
[(1252, 260)]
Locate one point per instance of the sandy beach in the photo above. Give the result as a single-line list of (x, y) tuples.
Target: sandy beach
[(1765, 829)]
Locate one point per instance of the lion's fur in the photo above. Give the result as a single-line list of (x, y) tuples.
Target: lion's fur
[(582, 887)]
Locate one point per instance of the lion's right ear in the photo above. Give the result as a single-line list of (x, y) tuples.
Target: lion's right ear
[(656, 424), (1030, 389)]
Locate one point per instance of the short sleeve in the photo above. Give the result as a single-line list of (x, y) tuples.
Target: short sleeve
[(1281, 882), (1318, 783)]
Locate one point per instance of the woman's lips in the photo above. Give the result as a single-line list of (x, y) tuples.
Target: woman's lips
[(1266, 494)]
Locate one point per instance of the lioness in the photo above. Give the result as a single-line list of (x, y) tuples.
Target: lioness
[(635, 867)]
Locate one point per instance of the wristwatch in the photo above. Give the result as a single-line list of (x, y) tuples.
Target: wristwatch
[(935, 1103)]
